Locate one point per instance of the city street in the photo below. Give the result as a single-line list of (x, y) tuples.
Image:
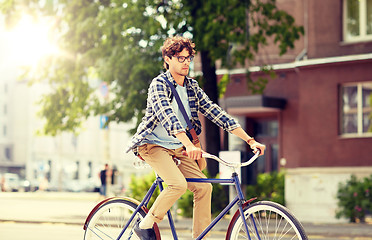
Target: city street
[(45, 216), (44, 231), (47, 231)]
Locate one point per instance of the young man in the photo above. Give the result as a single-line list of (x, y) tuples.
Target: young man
[(162, 135)]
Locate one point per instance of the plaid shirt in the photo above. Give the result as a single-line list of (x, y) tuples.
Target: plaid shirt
[(159, 110)]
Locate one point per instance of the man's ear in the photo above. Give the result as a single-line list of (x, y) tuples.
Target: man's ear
[(167, 59)]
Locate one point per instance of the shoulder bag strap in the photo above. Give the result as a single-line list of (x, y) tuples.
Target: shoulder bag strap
[(195, 138)]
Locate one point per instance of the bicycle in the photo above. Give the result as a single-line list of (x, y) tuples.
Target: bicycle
[(114, 218)]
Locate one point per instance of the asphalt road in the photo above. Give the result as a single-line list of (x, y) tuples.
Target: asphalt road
[(47, 231)]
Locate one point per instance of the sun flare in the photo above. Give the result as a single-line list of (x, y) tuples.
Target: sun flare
[(30, 41)]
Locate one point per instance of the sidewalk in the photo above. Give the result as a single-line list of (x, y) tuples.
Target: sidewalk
[(73, 208)]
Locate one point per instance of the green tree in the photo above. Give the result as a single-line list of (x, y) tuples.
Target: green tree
[(118, 42)]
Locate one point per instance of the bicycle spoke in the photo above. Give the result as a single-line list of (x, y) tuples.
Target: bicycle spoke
[(258, 221), (243, 233), (267, 221), (98, 230), (108, 222), (277, 224)]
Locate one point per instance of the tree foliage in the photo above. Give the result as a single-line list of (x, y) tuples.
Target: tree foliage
[(233, 31), (114, 42), (118, 42)]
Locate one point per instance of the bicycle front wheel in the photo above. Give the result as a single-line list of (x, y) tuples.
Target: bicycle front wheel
[(266, 220), (109, 219)]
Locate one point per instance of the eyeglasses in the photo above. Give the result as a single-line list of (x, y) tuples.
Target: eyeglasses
[(182, 59)]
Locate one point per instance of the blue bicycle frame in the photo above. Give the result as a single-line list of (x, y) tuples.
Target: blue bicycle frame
[(239, 199)]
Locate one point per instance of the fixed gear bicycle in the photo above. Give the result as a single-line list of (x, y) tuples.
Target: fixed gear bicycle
[(115, 217)]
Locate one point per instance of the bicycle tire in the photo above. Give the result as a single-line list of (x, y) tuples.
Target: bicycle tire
[(272, 220), (109, 219)]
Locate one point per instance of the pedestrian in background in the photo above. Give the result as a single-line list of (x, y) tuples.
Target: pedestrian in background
[(2, 183), (104, 176)]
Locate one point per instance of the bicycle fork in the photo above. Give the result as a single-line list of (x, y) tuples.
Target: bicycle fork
[(241, 201)]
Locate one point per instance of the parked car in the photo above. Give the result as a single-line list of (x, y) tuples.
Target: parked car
[(88, 185), (10, 182)]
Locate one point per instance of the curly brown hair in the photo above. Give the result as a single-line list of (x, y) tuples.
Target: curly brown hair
[(174, 45)]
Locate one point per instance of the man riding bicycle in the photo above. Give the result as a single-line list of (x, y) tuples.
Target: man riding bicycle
[(163, 134)]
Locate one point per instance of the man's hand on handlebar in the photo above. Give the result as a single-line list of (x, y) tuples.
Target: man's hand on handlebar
[(256, 146), (193, 152)]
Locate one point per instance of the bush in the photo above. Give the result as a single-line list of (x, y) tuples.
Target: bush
[(139, 186), (355, 199), (270, 186), (219, 200), (185, 204)]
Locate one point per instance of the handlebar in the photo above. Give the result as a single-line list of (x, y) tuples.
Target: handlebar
[(142, 164), (229, 164)]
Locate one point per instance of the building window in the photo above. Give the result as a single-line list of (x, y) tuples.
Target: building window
[(268, 128), (90, 169), (8, 153), (357, 20), (76, 174), (356, 109)]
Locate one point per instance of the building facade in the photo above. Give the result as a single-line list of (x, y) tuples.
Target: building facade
[(66, 162), (315, 117)]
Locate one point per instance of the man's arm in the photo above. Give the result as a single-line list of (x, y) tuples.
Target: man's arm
[(239, 132)]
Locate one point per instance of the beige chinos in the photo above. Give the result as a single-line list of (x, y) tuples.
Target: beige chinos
[(160, 159)]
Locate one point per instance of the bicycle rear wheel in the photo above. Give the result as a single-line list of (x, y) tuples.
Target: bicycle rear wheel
[(266, 220), (110, 218)]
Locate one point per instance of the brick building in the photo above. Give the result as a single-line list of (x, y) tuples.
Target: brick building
[(315, 116)]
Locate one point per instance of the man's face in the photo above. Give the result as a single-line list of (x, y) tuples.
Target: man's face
[(177, 68)]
